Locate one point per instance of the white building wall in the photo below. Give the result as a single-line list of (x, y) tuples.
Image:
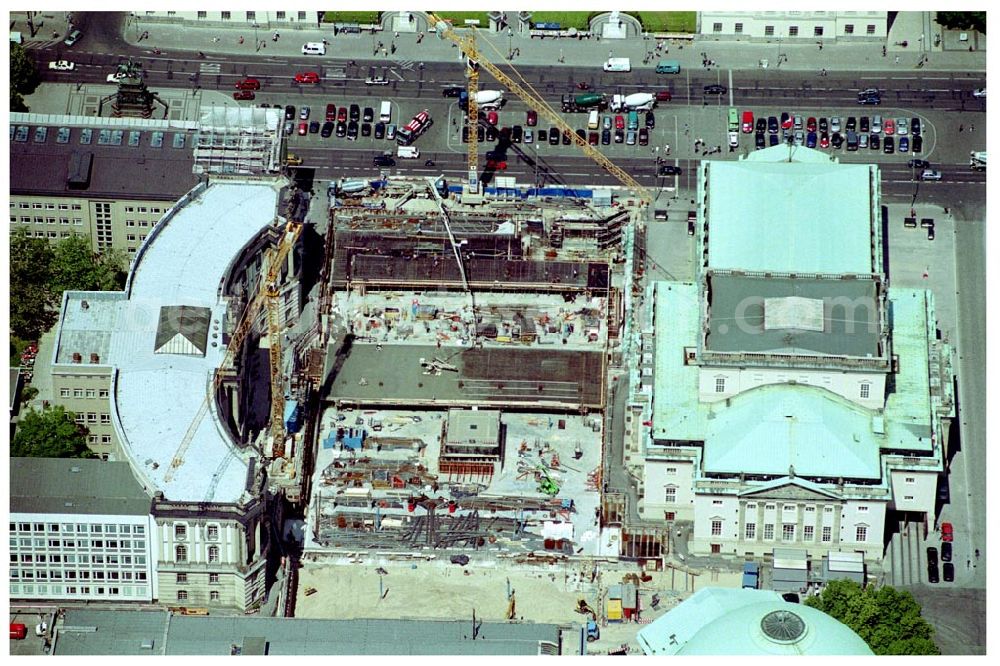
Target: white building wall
[(707, 510), (845, 384), (81, 557), (914, 491), (659, 475), (857, 25), (862, 514)]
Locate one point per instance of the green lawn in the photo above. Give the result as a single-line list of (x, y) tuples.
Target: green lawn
[(667, 21), (458, 18), (351, 17), (578, 20)]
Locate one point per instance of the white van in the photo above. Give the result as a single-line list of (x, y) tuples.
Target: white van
[(618, 65), (385, 111), (407, 152), (594, 121), (314, 48)]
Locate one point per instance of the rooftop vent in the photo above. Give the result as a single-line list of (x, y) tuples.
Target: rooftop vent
[(77, 357), (95, 357), (74, 469), (783, 626), (84, 305)]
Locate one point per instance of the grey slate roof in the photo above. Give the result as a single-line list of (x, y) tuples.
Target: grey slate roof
[(123, 632), (50, 485)]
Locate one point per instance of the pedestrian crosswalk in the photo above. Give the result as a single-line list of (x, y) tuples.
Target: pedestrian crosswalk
[(403, 64), (210, 68)]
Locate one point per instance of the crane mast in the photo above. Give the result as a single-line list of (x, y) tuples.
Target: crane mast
[(468, 47)]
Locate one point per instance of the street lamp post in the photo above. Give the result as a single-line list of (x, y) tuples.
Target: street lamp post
[(510, 43)]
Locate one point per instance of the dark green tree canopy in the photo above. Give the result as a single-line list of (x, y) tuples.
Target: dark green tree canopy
[(887, 619), (963, 20), (50, 433), (23, 77)]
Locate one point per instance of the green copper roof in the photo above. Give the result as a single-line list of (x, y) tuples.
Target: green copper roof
[(677, 414)]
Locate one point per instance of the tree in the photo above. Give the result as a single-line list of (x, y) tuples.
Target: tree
[(23, 77), (963, 20), (31, 300), (76, 267), (50, 433), (886, 618)]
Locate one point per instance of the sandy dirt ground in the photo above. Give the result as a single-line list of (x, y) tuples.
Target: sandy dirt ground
[(438, 590)]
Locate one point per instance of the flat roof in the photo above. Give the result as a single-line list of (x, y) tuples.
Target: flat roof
[(908, 418), (157, 395), (86, 325), (799, 216), (737, 315), (677, 414), (140, 162), (393, 375), (123, 632), (76, 486)]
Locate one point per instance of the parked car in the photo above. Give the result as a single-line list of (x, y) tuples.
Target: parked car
[(811, 124), (874, 141), (901, 126), (915, 127), (773, 140), (307, 77), (948, 571), (592, 138), (62, 65), (947, 531), (837, 140), (355, 112), (605, 137), (932, 555), (918, 164), (851, 125), (331, 112), (824, 140), (904, 144), (492, 117), (529, 135), (650, 120), (314, 127), (303, 128), (917, 145), (342, 114), (582, 134), (630, 138), (341, 128), (946, 551), (619, 122), (452, 91), (379, 130), (823, 126), (811, 140), (289, 112), (366, 129), (248, 84), (786, 120), (289, 127), (327, 129), (863, 125), (888, 145), (772, 125), (759, 140), (835, 124), (944, 490), (390, 132), (368, 115), (862, 141), (889, 127), (553, 137), (797, 122), (304, 113), (532, 118), (619, 136), (352, 130), (663, 96), (76, 35), (932, 572), (800, 138), (516, 133), (243, 94), (761, 124)]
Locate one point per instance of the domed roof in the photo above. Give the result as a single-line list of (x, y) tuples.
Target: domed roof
[(775, 627), (720, 621)]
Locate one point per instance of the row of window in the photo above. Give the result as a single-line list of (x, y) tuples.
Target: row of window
[(99, 439), (251, 16), (182, 578), (59, 574), (793, 30), (79, 528), (140, 223), (73, 558), (181, 532), (24, 219), (103, 394), (17, 590), (182, 595), (91, 417), (117, 544), (36, 205), (143, 209), (181, 553), (131, 238), (788, 532)]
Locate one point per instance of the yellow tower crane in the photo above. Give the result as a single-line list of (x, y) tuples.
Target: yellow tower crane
[(531, 98), (262, 297)]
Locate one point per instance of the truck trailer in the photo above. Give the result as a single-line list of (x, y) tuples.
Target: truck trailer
[(582, 103)]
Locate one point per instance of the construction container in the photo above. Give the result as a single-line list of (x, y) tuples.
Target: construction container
[(615, 613)]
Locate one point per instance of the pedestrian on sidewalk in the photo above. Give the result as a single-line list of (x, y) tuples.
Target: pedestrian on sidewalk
[(215, 40), (897, 60), (397, 35), (241, 39), (961, 127), (972, 128)]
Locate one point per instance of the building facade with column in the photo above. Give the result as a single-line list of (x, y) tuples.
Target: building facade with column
[(791, 398)]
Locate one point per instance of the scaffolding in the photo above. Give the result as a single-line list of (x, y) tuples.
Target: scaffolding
[(241, 141)]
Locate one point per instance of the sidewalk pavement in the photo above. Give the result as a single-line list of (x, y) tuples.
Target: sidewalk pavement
[(377, 48), (50, 27)]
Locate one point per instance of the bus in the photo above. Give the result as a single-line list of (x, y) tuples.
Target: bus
[(734, 120)]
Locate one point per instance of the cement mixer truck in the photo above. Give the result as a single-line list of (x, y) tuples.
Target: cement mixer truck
[(633, 102)]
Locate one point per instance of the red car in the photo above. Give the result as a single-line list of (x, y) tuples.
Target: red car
[(342, 114), (532, 117), (810, 124), (824, 140), (619, 122), (498, 165), (307, 77), (303, 128), (248, 84), (663, 96), (331, 111), (492, 118), (243, 94), (947, 532)]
